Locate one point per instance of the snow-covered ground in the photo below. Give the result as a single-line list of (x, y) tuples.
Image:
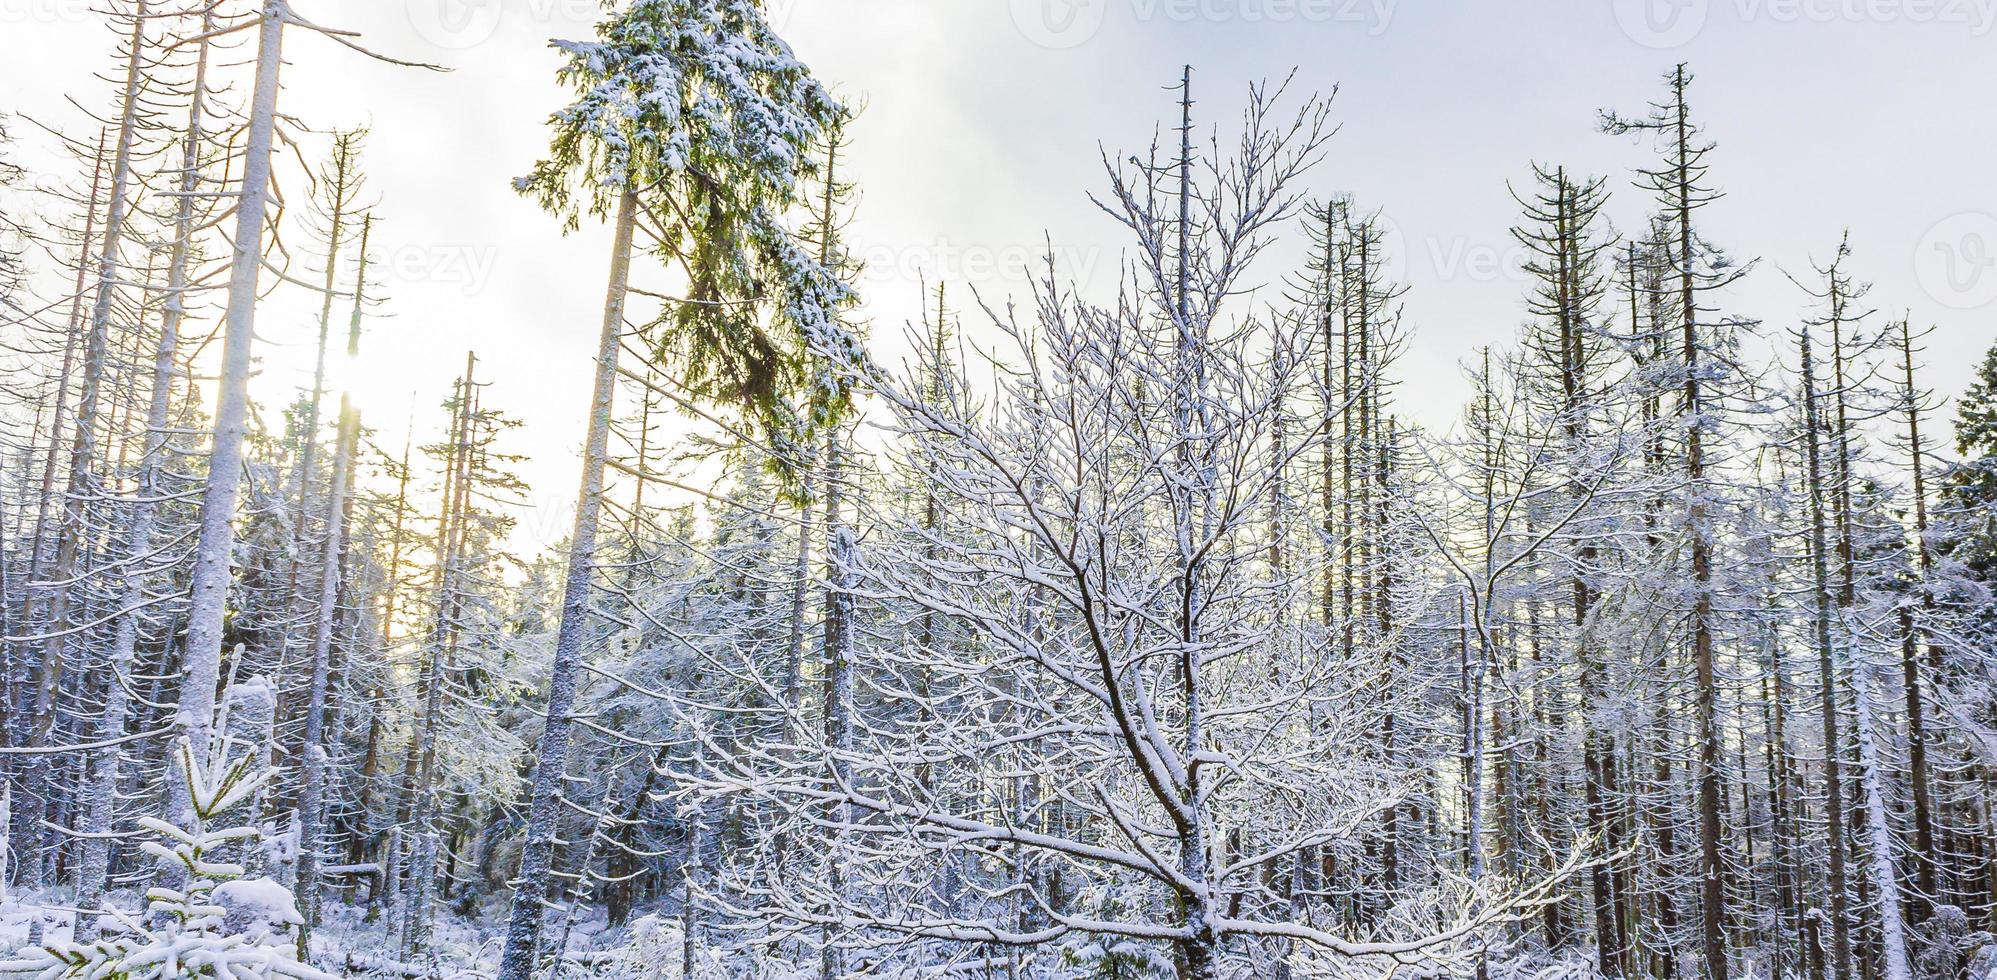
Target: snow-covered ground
[(349, 944)]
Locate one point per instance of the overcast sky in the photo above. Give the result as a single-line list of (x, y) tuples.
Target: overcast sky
[(984, 119)]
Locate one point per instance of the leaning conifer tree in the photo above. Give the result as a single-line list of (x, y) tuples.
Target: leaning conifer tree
[(696, 114)]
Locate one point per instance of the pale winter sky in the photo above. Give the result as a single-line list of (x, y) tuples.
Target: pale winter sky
[(981, 134)]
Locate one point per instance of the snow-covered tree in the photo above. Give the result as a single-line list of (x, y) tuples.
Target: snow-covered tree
[(204, 917), (1124, 703), (698, 115)]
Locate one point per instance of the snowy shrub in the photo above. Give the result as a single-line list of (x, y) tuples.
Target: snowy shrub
[(216, 923), (1118, 960)]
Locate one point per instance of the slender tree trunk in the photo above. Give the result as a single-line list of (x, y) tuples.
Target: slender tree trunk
[(524, 926), (143, 516), (422, 762), (23, 665), (1927, 858), (1711, 870), (209, 590), (391, 579), (1838, 913), (621, 863), (800, 584), (340, 182), (42, 543), (1781, 839), (311, 802), (65, 573), (1885, 877), (837, 652)]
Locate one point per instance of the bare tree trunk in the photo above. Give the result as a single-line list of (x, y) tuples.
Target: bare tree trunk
[(1885, 877), (1781, 832), (311, 802), (422, 761), (1711, 870), (340, 186), (523, 933), (837, 652), (22, 662), (1200, 950), (1826, 676), (800, 584), (101, 794), (1927, 858), (209, 590), (82, 485)]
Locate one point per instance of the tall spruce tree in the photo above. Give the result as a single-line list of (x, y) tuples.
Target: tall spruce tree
[(696, 114)]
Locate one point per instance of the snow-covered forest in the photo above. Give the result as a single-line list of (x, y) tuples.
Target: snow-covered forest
[(1081, 632)]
